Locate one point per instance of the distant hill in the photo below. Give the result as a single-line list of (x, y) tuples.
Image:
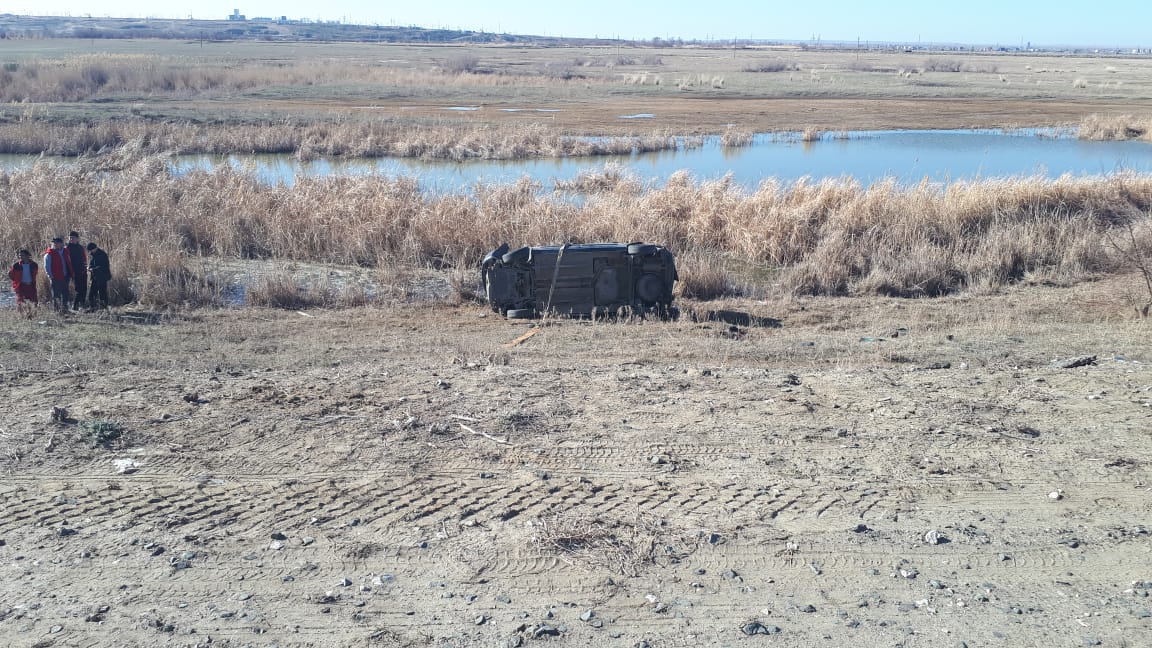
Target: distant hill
[(259, 29)]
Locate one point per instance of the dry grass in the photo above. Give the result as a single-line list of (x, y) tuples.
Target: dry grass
[(1115, 127), (704, 276), (611, 178), (166, 233), (85, 77), (623, 546), (309, 140), (733, 137)]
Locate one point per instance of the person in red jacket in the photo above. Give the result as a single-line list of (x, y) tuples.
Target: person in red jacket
[(23, 275), (58, 267)]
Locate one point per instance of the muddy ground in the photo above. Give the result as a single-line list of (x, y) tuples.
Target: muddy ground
[(864, 472)]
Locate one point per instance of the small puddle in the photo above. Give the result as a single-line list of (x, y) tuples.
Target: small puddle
[(463, 108), (638, 116)]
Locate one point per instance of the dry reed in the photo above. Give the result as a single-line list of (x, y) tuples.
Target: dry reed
[(361, 138), (735, 137), (1115, 127), (835, 236)]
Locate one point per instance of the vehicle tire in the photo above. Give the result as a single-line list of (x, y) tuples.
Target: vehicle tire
[(521, 313), (650, 288), (517, 256), (641, 249)]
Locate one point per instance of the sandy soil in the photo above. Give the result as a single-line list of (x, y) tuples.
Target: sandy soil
[(870, 472), (710, 115)]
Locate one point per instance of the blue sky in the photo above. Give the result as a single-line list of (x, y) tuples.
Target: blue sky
[(1103, 23)]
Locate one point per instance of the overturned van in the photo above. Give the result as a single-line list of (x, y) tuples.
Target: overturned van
[(585, 280)]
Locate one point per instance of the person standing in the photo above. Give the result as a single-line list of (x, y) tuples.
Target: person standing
[(23, 275), (79, 270), (58, 267), (101, 274)]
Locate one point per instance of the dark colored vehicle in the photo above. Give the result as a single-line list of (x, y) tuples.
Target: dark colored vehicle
[(586, 280)]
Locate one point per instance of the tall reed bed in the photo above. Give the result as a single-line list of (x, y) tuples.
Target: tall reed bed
[(1115, 127), (365, 138), (817, 237)]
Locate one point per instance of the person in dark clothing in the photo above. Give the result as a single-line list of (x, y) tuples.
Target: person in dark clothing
[(58, 267), (101, 274), (79, 270)]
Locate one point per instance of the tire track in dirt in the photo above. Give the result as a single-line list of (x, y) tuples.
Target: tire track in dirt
[(255, 506)]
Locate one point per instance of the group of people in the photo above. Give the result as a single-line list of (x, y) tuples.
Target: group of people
[(69, 269)]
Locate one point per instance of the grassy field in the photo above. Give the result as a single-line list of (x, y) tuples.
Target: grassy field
[(690, 89)]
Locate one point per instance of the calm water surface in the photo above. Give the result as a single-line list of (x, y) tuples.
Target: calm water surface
[(868, 156)]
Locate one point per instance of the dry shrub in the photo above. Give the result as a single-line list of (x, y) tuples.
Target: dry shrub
[(703, 276), (612, 177), (771, 66), (811, 134), (283, 291), (166, 282), (465, 63), (1114, 127), (1133, 245), (734, 137), (623, 546), (935, 64)]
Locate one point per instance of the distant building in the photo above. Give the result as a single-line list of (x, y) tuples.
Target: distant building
[(236, 15)]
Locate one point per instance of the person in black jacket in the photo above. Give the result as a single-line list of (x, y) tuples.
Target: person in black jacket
[(101, 274), (79, 271)]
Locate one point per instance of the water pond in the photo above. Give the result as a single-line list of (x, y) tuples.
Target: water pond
[(909, 156)]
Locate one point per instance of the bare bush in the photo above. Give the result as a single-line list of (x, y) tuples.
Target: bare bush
[(776, 65), (935, 64), (462, 64), (1133, 243)]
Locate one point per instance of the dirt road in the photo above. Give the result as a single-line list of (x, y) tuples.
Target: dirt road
[(871, 472)]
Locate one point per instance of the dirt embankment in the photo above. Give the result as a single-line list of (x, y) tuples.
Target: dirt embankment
[(873, 472)]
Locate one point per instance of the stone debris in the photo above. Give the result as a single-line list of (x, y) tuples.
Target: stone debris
[(1074, 362), (755, 628), (125, 466)]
